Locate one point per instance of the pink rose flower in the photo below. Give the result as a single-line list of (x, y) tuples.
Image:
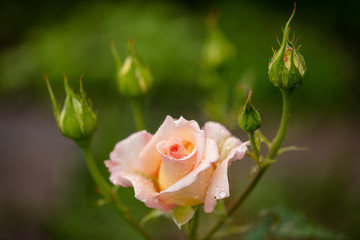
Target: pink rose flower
[(180, 165)]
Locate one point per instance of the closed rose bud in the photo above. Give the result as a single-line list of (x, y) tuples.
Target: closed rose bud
[(249, 118), (287, 66), (133, 76), (217, 48), (76, 119)]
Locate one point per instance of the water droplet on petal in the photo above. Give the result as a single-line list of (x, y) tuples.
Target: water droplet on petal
[(222, 194)]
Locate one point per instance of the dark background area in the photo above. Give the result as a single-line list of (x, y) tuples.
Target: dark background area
[(45, 189)]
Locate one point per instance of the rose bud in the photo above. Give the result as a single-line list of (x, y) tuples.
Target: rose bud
[(287, 66), (249, 118), (133, 76), (76, 119), (180, 165), (217, 48)]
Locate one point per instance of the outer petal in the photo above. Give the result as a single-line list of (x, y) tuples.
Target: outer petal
[(145, 191), (181, 128), (217, 132), (233, 149), (191, 189), (125, 156)]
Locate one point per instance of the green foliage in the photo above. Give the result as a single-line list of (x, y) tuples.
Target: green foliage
[(293, 224)]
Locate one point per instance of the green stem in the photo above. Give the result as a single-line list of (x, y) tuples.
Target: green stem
[(279, 138), (137, 105), (194, 225), (126, 215), (108, 192), (254, 147), (94, 171)]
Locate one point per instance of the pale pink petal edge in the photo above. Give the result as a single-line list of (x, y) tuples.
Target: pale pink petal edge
[(219, 183)]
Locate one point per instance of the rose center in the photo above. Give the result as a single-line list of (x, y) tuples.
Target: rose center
[(176, 149)]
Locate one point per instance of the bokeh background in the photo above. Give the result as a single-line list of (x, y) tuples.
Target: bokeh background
[(45, 189)]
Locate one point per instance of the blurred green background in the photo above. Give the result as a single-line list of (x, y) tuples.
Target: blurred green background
[(45, 189)]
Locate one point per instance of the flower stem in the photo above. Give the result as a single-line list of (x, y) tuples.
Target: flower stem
[(275, 145), (94, 171), (126, 215), (108, 192), (255, 148), (194, 225), (137, 105)]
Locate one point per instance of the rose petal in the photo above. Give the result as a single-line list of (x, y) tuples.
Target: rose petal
[(145, 191), (217, 132), (191, 189), (219, 183), (181, 128), (125, 158)]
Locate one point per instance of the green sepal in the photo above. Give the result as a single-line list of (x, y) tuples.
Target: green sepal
[(182, 215), (115, 55), (52, 97)]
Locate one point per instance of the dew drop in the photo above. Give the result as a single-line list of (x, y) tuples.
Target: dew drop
[(222, 194)]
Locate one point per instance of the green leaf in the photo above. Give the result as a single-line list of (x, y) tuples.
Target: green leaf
[(182, 215), (294, 224), (292, 148), (264, 139), (252, 171), (242, 229), (258, 140), (220, 208), (153, 214), (231, 230), (288, 223)]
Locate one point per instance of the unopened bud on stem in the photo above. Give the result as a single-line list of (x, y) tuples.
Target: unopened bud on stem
[(76, 119), (287, 66), (133, 76), (249, 118)]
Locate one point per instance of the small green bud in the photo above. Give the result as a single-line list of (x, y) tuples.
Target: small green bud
[(249, 118), (133, 76), (217, 48), (287, 66), (76, 119)]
